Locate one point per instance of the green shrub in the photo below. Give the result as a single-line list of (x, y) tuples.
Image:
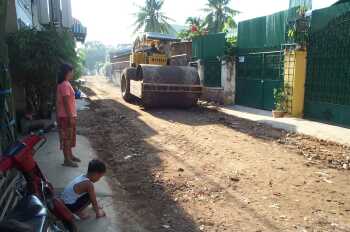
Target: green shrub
[(35, 58), (281, 97)]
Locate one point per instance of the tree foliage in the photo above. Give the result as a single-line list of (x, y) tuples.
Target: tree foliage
[(195, 27), (230, 46), (150, 18), (94, 53), (220, 15), (35, 58)]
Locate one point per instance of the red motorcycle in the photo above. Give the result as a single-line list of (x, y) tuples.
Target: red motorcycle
[(40, 208)]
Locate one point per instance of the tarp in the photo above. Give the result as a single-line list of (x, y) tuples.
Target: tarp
[(252, 33), (297, 3), (208, 46), (276, 29), (321, 18), (265, 32), (341, 1)]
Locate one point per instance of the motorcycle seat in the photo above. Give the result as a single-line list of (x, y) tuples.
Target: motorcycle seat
[(31, 211)]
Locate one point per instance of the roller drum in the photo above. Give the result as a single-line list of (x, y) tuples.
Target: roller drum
[(177, 86)]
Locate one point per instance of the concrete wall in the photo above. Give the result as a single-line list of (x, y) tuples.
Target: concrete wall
[(226, 93)]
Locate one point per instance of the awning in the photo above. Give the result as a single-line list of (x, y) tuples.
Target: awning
[(161, 37), (79, 31)]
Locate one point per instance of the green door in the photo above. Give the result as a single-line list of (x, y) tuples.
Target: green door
[(258, 75)]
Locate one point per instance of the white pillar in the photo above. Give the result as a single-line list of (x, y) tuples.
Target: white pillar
[(228, 81), (201, 71)]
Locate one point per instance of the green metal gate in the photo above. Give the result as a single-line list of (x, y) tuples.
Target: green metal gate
[(327, 96), (258, 75), (8, 196), (212, 73), (7, 118)]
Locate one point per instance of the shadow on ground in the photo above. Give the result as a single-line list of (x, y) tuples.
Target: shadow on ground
[(119, 137), (210, 116), (114, 131)]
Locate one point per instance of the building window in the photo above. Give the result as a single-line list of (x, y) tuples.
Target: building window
[(24, 13)]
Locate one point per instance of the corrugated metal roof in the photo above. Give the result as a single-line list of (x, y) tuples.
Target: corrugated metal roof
[(79, 31), (160, 36)]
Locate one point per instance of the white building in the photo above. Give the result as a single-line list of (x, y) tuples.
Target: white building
[(37, 13)]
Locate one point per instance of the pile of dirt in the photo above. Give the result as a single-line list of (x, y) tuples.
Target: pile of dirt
[(316, 151), (328, 153)]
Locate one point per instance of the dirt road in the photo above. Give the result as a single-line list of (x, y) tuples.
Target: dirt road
[(200, 170)]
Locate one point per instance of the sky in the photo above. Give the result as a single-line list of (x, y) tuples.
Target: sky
[(111, 21)]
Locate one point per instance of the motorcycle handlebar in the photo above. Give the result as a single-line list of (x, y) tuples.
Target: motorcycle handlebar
[(26, 145)]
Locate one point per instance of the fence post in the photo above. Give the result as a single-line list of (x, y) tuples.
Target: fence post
[(201, 71), (228, 81)]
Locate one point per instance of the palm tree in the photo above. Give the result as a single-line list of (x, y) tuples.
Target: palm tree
[(195, 21), (196, 27), (150, 18), (220, 15)]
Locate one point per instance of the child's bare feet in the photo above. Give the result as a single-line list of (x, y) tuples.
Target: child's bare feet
[(100, 213), (83, 215)]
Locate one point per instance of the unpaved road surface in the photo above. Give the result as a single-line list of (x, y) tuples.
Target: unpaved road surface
[(200, 170)]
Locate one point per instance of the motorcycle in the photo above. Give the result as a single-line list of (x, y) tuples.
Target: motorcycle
[(39, 207)]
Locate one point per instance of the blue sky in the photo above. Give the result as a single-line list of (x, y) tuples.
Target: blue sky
[(110, 21)]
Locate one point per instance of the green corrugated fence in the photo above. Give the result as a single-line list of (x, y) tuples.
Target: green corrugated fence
[(267, 32), (209, 46), (321, 18)]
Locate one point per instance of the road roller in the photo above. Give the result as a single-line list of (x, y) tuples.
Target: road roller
[(154, 79)]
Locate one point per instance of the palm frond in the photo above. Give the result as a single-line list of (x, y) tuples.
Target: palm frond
[(231, 11), (151, 18), (218, 12)]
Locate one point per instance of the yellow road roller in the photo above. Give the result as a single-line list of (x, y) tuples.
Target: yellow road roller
[(151, 77)]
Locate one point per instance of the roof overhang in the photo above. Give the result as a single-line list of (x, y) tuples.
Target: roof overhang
[(79, 31), (160, 37)]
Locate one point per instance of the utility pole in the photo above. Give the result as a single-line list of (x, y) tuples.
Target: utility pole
[(7, 117)]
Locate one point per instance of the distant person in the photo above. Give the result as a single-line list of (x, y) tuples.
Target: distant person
[(66, 115), (153, 48), (80, 193), (161, 49)]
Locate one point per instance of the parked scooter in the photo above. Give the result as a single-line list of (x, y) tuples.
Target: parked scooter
[(40, 207)]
